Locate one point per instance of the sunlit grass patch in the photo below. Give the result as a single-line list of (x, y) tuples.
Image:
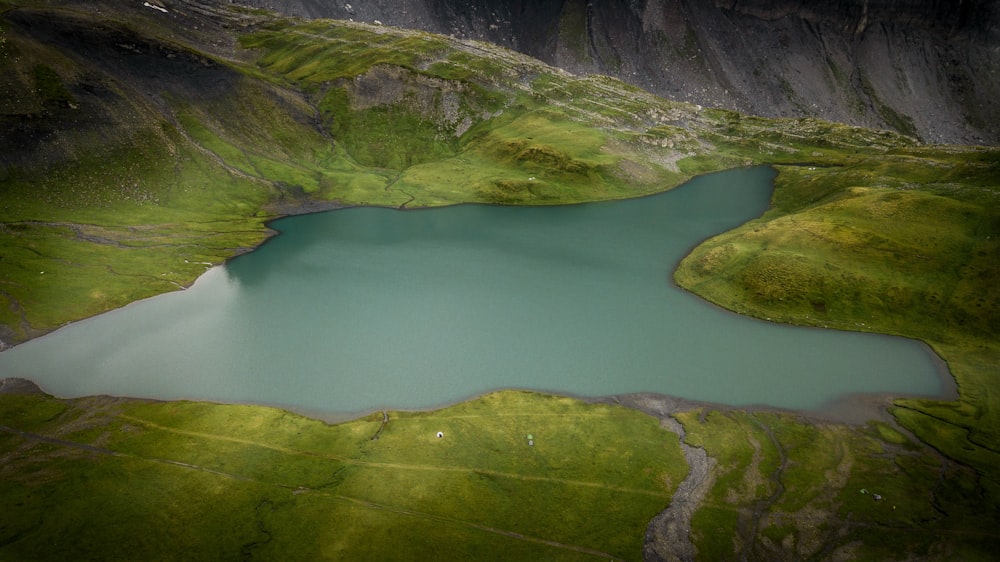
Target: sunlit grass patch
[(874, 258), (323, 51)]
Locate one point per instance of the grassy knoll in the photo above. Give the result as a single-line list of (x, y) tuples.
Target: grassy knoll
[(475, 135), (120, 479), (872, 244)]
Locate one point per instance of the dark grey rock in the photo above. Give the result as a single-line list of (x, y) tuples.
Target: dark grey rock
[(926, 68)]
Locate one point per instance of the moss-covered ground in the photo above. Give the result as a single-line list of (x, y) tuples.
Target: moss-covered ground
[(789, 489)]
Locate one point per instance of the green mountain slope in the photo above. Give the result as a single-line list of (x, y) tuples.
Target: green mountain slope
[(124, 137)]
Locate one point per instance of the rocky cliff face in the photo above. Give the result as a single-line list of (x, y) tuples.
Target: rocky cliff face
[(928, 68)]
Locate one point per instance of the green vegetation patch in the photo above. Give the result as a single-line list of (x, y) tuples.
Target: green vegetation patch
[(323, 51), (786, 488), (51, 88), (29, 412), (902, 243), (884, 252), (394, 136), (512, 474), (537, 158)]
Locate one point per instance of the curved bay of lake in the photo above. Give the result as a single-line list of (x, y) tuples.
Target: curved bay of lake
[(365, 308)]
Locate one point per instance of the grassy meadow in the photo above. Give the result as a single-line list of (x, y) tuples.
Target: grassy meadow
[(120, 479), (141, 153)]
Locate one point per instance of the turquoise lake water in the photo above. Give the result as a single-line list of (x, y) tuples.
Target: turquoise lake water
[(364, 308)]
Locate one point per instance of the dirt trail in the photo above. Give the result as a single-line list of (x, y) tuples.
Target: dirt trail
[(395, 466), (336, 497), (668, 536)]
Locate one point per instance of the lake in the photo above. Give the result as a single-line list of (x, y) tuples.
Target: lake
[(366, 308)]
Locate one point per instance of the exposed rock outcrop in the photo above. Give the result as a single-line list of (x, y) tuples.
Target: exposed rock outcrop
[(925, 68)]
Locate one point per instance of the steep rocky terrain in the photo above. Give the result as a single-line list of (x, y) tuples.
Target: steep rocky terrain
[(924, 68)]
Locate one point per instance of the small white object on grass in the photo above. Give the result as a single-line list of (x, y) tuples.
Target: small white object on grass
[(440, 435)]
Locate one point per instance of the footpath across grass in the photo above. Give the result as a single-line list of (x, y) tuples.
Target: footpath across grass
[(514, 475)]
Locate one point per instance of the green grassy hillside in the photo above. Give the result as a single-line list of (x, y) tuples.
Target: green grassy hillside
[(137, 154), (129, 135), (906, 243)]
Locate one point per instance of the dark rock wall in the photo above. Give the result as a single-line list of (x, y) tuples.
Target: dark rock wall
[(930, 68)]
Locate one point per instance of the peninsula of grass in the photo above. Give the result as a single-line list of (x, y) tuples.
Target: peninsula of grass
[(905, 243)]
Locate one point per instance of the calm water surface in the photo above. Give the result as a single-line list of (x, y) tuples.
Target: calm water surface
[(369, 308)]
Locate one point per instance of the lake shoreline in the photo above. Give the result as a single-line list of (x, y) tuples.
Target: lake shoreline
[(851, 410), (628, 338), (668, 533)]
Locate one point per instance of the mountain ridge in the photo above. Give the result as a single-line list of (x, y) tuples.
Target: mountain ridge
[(927, 69)]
